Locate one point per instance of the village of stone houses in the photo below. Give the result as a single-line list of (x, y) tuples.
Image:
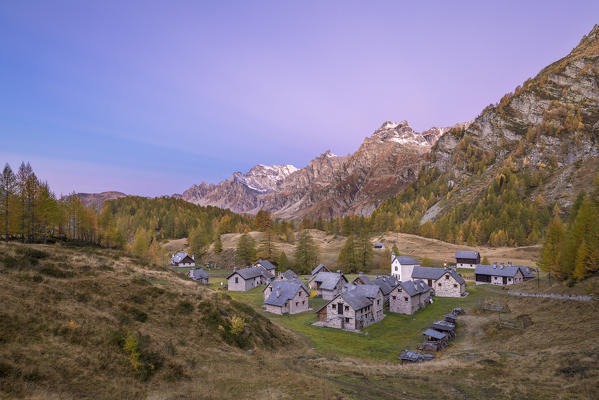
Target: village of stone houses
[(352, 303)]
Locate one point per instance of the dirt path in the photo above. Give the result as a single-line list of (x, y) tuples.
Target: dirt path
[(554, 296)]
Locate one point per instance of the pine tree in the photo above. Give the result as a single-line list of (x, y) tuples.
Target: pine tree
[(364, 251), (550, 253), (8, 183), (347, 256), (267, 248), (485, 261), (263, 220), (283, 262), (218, 244), (246, 250), (306, 253)]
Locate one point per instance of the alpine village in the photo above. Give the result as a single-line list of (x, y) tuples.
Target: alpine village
[(459, 262)]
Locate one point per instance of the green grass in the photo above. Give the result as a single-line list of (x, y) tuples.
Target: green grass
[(380, 341)]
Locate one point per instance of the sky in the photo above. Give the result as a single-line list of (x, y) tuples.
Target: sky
[(150, 97)]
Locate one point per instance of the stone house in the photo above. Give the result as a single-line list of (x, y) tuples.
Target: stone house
[(445, 282), (199, 275), (320, 268), (327, 284), (245, 279), (286, 297), (267, 265), (386, 283), (467, 259), (409, 296), (289, 274), (402, 266), (498, 274), (182, 259), (354, 309)]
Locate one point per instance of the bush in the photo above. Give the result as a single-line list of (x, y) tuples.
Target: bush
[(138, 315), (184, 308), (32, 253)]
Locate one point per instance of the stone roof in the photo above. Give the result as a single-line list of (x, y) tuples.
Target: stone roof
[(405, 260), (252, 272), (283, 291), (434, 334), (198, 273), (410, 355), (473, 255), (443, 326), (387, 283), (328, 280), (364, 278), (318, 268), (289, 274), (413, 288), (435, 273), (356, 298), (503, 271), (266, 264)]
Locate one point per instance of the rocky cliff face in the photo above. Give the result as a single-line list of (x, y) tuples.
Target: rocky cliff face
[(549, 126), (329, 186)]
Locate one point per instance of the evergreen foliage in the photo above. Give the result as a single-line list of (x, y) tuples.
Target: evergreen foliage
[(306, 253), (246, 250)]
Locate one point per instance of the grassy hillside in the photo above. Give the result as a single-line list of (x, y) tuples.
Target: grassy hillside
[(90, 322), (86, 322)]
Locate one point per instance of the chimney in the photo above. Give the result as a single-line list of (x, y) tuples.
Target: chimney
[(495, 264), (278, 292), (234, 269)]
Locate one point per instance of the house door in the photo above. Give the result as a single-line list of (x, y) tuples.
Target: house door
[(340, 309), (504, 280)]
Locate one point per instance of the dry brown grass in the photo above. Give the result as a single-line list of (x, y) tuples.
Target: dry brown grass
[(60, 336)]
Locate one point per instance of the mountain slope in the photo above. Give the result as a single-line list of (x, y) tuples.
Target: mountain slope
[(537, 146), (329, 186), (96, 200)]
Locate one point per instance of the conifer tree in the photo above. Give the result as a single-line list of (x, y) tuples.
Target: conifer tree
[(246, 250), (267, 248), (8, 184), (550, 253), (364, 251), (306, 253), (218, 244), (283, 262), (347, 256), (385, 260), (395, 249), (263, 220)]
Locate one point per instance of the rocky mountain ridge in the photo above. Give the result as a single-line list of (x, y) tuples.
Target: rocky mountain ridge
[(330, 185)]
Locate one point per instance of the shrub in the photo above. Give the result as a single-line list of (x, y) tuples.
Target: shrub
[(31, 253), (184, 308), (138, 315)]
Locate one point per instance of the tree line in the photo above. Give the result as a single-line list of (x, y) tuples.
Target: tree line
[(31, 212), (571, 248)]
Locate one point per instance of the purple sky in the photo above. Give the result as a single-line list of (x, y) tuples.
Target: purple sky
[(151, 97)]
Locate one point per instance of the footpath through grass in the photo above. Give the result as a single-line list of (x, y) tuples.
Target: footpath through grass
[(380, 341)]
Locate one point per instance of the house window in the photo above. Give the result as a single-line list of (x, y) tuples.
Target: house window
[(303, 301), (393, 297), (439, 283), (396, 268), (236, 280), (446, 276), (346, 308), (378, 302), (346, 319), (455, 285), (297, 303), (405, 299), (334, 305)]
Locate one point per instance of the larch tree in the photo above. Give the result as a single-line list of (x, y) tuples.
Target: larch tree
[(347, 256), (246, 250), (8, 184), (306, 253), (364, 251), (550, 253), (218, 244), (267, 248), (283, 263)]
